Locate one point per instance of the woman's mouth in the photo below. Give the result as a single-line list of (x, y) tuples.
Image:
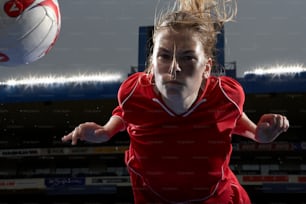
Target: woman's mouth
[(173, 82)]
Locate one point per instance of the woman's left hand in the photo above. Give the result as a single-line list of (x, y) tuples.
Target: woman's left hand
[(270, 126)]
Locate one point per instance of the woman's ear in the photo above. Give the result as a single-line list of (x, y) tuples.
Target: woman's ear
[(149, 68), (207, 70)]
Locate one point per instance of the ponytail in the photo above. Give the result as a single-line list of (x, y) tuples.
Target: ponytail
[(218, 10)]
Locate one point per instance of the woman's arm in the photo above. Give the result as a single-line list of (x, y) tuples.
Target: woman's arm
[(92, 132), (268, 128)]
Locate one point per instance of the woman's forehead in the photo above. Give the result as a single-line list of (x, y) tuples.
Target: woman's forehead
[(184, 39)]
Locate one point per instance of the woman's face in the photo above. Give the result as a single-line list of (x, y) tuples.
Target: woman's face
[(179, 64)]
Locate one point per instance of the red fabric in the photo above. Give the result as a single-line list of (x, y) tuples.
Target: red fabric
[(185, 157), (230, 192)]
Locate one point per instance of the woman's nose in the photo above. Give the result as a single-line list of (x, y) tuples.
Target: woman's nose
[(175, 67)]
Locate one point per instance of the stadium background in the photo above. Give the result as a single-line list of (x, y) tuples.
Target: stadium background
[(36, 167)]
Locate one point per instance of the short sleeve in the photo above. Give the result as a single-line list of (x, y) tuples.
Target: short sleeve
[(233, 91), (117, 112), (126, 88)]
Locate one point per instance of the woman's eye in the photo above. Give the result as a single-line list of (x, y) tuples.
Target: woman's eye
[(164, 57), (188, 58)]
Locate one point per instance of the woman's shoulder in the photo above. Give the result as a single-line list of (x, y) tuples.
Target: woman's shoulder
[(232, 89), (229, 83), (136, 77), (130, 84)]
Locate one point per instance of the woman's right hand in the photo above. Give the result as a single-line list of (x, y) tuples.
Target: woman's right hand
[(89, 131)]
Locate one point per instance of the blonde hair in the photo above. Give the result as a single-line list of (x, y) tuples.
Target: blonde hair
[(203, 17)]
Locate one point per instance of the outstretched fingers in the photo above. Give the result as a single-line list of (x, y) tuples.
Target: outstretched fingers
[(271, 126), (281, 123), (84, 131), (72, 136)]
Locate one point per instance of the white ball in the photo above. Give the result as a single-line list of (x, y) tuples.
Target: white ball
[(28, 30)]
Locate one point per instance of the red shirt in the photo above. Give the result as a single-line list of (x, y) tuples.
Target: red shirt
[(180, 157)]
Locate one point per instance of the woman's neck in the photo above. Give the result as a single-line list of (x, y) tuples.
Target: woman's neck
[(180, 105)]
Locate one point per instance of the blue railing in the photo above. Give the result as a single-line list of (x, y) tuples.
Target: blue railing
[(67, 91)]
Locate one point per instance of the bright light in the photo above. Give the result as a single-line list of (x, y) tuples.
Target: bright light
[(58, 80), (278, 70)]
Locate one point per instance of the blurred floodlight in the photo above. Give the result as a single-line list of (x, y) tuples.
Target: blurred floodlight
[(278, 70), (62, 80)]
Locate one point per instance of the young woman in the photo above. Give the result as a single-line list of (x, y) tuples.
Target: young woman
[(180, 118)]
